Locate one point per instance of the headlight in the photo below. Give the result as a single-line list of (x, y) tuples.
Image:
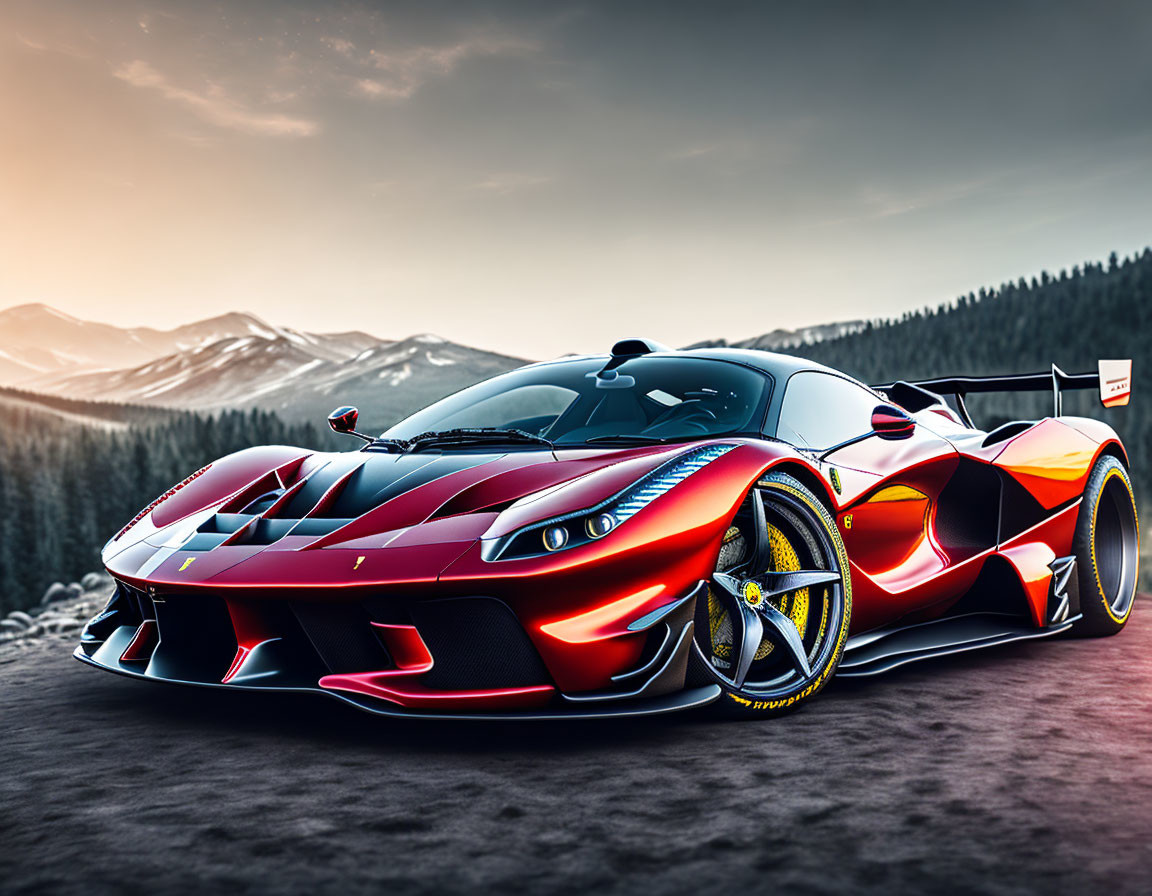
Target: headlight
[(600, 524), (555, 537), (583, 526)]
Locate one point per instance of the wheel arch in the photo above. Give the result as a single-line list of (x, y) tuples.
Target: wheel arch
[(1113, 448), (807, 477)]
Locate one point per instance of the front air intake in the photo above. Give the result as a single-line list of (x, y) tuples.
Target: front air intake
[(476, 643), (342, 634)]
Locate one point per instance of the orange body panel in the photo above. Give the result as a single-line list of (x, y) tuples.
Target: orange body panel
[(1052, 460)]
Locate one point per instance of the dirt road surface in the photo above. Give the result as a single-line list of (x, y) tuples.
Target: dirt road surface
[(1023, 769)]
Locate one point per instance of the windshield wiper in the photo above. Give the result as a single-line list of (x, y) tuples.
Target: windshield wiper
[(632, 440), (389, 445), (476, 437)]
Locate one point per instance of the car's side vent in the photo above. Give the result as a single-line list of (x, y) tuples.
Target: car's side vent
[(968, 510), (1007, 431)]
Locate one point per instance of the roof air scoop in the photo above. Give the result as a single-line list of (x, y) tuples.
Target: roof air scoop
[(630, 348)]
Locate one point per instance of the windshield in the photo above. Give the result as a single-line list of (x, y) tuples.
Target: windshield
[(591, 400)]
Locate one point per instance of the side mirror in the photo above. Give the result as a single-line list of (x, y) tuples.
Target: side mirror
[(343, 420), (892, 423)]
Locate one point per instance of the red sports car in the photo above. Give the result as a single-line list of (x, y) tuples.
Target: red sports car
[(638, 532)]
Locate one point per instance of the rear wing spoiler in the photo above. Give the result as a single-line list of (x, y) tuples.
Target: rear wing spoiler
[(1112, 378)]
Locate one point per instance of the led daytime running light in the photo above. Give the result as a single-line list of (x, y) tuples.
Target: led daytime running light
[(658, 483), (625, 504)]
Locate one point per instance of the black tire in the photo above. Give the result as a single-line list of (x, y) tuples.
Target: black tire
[(795, 528), (1107, 549)]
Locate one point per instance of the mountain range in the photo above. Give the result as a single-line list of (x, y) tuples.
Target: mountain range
[(781, 339), (38, 342), (239, 361), (235, 361)]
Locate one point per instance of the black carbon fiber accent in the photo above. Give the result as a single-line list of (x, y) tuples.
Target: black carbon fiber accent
[(197, 642), (383, 477), (343, 636), (698, 675), (476, 642)]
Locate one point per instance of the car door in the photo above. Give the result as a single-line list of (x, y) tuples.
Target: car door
[(889, 490)]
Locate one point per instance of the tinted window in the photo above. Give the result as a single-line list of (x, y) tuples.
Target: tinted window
[(571, 402), (519, 406), (821, 410)]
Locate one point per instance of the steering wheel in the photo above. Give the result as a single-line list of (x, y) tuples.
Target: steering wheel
[(685, 413)]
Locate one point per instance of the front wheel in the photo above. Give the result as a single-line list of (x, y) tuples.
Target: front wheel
[(779, 604)]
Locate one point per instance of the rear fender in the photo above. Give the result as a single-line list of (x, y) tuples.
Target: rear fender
[(1051, 460)]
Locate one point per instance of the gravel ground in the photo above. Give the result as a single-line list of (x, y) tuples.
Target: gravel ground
[(1024, 769)]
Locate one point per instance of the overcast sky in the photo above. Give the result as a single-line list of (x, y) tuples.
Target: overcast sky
[(547, 177)]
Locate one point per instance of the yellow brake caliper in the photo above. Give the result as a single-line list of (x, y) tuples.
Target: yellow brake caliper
[(793, 604)]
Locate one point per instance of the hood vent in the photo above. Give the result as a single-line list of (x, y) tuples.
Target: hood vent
[(251, 529)]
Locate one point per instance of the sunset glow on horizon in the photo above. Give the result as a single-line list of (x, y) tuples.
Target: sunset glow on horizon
[(544, 178)]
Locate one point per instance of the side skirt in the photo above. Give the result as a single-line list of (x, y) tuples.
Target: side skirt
[(872, 653), (876, 652)]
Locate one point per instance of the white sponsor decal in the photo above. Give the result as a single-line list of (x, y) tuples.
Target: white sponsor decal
[(1115, 382)]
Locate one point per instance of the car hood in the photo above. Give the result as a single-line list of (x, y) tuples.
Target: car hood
[(384, 492), (294, 503)]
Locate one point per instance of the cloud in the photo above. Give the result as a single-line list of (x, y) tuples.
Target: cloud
[(510, 181), (39, 46), (341, 46), (31, 44), (873, 202), (370, 87), (215, 106), (888, 202), (398, 74), (694, 152)]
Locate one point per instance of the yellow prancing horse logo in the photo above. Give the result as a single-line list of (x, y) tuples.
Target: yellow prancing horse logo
[(359, 560), (847, 521), (187, 563), (753, 596)]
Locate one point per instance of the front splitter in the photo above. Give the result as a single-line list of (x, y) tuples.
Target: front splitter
[(689, 698)]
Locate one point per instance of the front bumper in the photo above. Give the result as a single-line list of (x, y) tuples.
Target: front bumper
[(440, 659)]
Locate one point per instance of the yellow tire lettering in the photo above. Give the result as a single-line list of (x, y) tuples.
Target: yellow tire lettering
[(1092, 543), (842, 636)]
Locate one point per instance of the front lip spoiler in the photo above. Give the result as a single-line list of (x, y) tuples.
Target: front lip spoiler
[(689, 698)]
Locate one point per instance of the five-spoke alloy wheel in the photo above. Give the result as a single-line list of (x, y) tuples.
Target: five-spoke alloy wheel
[(780, 602)]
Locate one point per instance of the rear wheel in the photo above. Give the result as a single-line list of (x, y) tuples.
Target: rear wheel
[(779, 604), (1107, 547)]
